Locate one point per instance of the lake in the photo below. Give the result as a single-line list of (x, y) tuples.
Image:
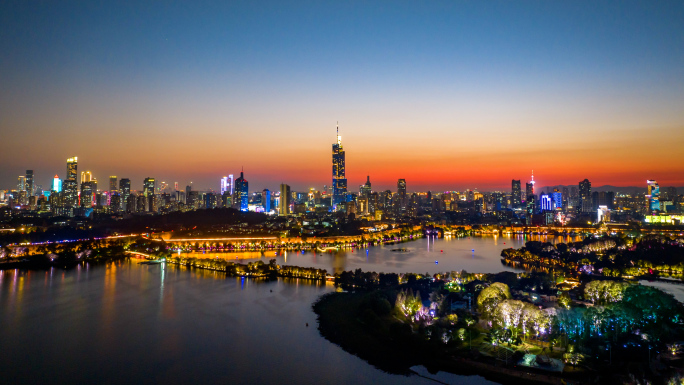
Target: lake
[(477, 254), (126, 323)]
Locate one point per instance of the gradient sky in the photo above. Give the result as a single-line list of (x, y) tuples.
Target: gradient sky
[(449, 95)]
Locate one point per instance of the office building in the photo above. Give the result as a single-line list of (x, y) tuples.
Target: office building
[(284, 203), (56, 184), (266, 200), (125, 192), (29, 183), (584, 204), (241, 195), (365, 189), (516, 199), (653, 195), (339, 180), (148, 194)]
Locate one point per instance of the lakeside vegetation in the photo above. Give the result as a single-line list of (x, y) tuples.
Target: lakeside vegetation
[(616, 256), (506, 324)]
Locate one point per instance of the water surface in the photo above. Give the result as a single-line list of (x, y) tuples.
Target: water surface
[(125, 323)]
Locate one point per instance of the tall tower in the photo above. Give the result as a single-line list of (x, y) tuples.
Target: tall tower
[(29, 182), (148, 192), (339, 180), (515, 193), (652, 198), (241, 198), (584, 204), (70, 186), (284, 203)]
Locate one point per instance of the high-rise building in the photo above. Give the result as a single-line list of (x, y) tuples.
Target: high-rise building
[(148, 193), (339, 180), (516, 200), (225, 186), (266, 200), (112, 185), (72, 168), (29, 183), (284, 203), (557, 199), (125, 192), (584, 204), (241, 196), (653, 195), (57, 184), (88, 189), (86, 176), (545, 202), (70, 185), (21, 183), (365, 189)]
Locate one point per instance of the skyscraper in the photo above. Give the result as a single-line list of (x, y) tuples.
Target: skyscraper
[(72, 168), (125, 192), (70, 186), (57, 184), (284, 204), (231, 184), (88, 189), (652, 198), (339, 180), (402, 200), (584, 204), (515, 193), (224, 185), (112, 185), (148, 193), (21, 183), (29, 182), (365, 189), (241, 198), (266, 200)]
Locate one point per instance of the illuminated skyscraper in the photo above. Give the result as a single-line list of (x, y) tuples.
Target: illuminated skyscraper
[(231, 184), (57, 184), (284, 203), (88, 190), (21, 183), (402, 199), (365, 189), (339, 180), (652, 198), (515, 193), (148, 193), (112, 185), (266, 200), (72, 168), (70, 186), (224, 185), (584, 205), (545, 202), (241, 197), (125, 192), (29, 182)]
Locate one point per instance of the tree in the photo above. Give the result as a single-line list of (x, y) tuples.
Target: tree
[(490, 297)]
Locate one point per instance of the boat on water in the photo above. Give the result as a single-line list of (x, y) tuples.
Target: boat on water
[(157, 262)]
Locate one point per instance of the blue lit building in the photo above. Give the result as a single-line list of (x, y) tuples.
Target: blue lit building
[(545, 203), (241, 196)]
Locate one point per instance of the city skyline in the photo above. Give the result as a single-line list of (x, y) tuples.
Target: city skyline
[(446, 95)]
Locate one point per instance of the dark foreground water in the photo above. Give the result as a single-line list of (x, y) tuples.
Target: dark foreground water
[(125, 323)]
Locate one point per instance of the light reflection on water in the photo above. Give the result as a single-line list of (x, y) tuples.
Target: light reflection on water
[(477, 254), (124, 323)]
